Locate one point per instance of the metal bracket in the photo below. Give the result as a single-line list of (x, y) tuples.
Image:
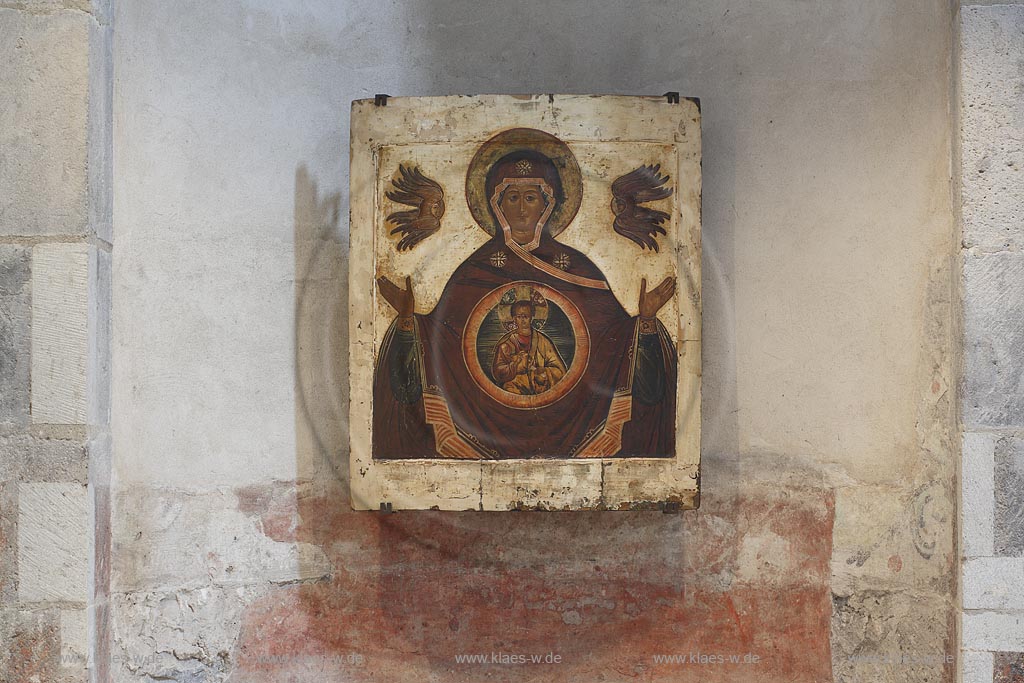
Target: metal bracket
[(386, 507), (381, 100), (672, 96)]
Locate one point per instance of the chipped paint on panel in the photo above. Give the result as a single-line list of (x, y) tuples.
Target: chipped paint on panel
[(413, 149)]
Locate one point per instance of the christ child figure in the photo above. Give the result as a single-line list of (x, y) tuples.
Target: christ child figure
[(526, 362)]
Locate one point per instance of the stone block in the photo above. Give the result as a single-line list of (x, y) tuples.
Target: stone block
[(992, 125), (977, 667), (30, 459), (60, 333), (993, 631), (993, 583), (993, 286), (74, 640), (15, 325), (977, 515), (1008, 487), (30, 646), (53, 543), (43, 122)]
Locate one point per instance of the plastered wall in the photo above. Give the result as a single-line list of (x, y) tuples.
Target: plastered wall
[(824, 546)]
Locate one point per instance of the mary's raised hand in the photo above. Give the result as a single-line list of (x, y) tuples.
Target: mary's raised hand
[(400, 299), (652, 301)]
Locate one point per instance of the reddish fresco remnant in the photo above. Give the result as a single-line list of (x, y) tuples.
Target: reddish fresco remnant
[(1009, 667), (255, 499), (606, 592), (33, 651), (895, 563), (275, 505), (743, 635)]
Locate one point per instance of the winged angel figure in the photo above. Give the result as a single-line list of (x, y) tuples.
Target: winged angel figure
[(635, 222), (414, 189)]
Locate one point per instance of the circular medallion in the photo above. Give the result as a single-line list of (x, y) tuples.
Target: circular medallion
[(526, 345)]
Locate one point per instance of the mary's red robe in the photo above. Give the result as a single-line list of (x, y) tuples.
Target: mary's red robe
[(427, 404)]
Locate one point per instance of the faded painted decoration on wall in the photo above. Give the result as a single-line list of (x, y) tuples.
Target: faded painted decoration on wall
[(533, 297)]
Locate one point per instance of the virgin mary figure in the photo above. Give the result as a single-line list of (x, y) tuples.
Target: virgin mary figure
[(613, 395)]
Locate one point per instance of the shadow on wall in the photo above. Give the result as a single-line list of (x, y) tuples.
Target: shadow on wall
[(321, 334)]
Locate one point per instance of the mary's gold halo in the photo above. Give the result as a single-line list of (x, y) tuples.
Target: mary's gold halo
[(515, 140)]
